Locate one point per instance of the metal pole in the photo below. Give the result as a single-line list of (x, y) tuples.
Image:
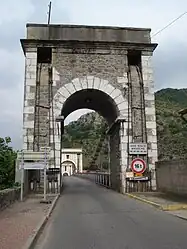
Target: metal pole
[(49, 13), (22, 176), (109, 163), (45, 176), (61, 123)]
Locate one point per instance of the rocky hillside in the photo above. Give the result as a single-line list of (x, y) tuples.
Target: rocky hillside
[(172, 131)]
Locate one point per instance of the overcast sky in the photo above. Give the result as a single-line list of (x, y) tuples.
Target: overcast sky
[(170, 58)]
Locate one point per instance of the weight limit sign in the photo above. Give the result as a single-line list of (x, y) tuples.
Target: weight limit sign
[(138, 166)]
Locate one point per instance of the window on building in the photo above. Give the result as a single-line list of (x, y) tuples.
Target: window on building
[(67, 156)]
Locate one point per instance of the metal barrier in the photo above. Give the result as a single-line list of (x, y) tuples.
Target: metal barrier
[(100, 178)]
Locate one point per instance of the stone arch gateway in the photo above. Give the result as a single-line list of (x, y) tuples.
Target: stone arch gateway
[(107, 69)]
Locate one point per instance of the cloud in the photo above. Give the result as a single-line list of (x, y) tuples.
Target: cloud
[(170, 58)]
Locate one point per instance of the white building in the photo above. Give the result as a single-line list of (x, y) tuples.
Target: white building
[(71, 161)]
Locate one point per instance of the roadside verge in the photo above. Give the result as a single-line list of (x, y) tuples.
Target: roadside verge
[(36, 233), (159, 202)]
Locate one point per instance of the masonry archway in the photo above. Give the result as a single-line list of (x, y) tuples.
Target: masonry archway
[(63, 65), (68, 167), (97, 94)]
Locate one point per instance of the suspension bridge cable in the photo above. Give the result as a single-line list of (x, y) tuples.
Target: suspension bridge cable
[(169, 24)]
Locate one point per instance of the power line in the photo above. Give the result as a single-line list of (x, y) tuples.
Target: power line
[(168, 25)]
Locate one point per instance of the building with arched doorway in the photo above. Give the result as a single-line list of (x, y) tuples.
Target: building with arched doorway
[(71, 161)]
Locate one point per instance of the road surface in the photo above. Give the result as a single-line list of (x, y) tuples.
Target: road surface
[(91, 217)]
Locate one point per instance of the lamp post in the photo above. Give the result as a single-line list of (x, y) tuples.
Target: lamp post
[(60, 119)]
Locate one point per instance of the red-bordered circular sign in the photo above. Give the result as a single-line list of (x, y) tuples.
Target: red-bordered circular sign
[(138, 166)]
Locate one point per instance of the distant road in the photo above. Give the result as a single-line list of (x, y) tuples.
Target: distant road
[(88, 216)]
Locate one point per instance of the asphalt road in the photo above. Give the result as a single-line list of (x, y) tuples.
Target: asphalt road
[(88, 216)]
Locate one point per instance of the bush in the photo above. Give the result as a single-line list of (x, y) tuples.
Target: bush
[(7, 163)]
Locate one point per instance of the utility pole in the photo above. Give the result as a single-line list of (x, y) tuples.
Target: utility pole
[(49, 13)]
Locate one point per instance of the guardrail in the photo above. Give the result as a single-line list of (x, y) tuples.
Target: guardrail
[(101, 178)]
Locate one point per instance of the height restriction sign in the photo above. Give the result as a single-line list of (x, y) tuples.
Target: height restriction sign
[(138, 166)]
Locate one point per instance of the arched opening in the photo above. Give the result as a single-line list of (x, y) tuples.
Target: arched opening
[(92, 99), (102, 97), (68, 168)]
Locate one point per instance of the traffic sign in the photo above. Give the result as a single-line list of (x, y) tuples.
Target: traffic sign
[(138, 166)]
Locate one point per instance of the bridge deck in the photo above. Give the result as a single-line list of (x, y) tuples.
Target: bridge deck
[(89, 216)]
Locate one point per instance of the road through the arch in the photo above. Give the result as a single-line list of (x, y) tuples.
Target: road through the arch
[(91, 217)]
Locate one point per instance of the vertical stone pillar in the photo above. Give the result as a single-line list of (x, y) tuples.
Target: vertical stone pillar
[(80, 163), (29, 98), (115, 156), (123, 153), (147, 71)]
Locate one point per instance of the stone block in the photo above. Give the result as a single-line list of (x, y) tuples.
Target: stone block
[(103, 85), (70, 87), (152, 139), (84, 83), (150, 110), (90, 80), (152, 153), (65, 92), (56, 75), (31, 68), (28, 139), (118, 100), (150, 96), (28, 109), (97, 83), (77, 84), (31, 55), (30, 75), (115, 93), (109, 89), (151, 125), (122, 106), (122, 80), (29, 96), (124, 147), (154, 146), (28, 124), (57, 139), (24, 146)]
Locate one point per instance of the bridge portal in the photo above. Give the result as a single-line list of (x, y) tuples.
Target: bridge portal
[(106, 69)]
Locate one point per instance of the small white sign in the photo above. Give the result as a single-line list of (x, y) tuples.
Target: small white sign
[(129, 174), (137, 148), (33, 165)]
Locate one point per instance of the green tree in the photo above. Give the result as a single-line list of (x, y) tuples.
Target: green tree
[(7, 163)]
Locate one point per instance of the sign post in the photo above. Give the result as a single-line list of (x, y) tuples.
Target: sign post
[(22, 175)]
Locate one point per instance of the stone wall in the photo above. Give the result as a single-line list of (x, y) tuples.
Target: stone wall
[(9, 196), (171, 176)]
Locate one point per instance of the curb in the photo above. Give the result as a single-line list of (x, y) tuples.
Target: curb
[(145, 201), (33, 238), (174, 207)]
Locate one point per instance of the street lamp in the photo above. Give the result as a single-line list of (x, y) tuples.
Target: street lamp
[(182, 113), (60, 119)]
